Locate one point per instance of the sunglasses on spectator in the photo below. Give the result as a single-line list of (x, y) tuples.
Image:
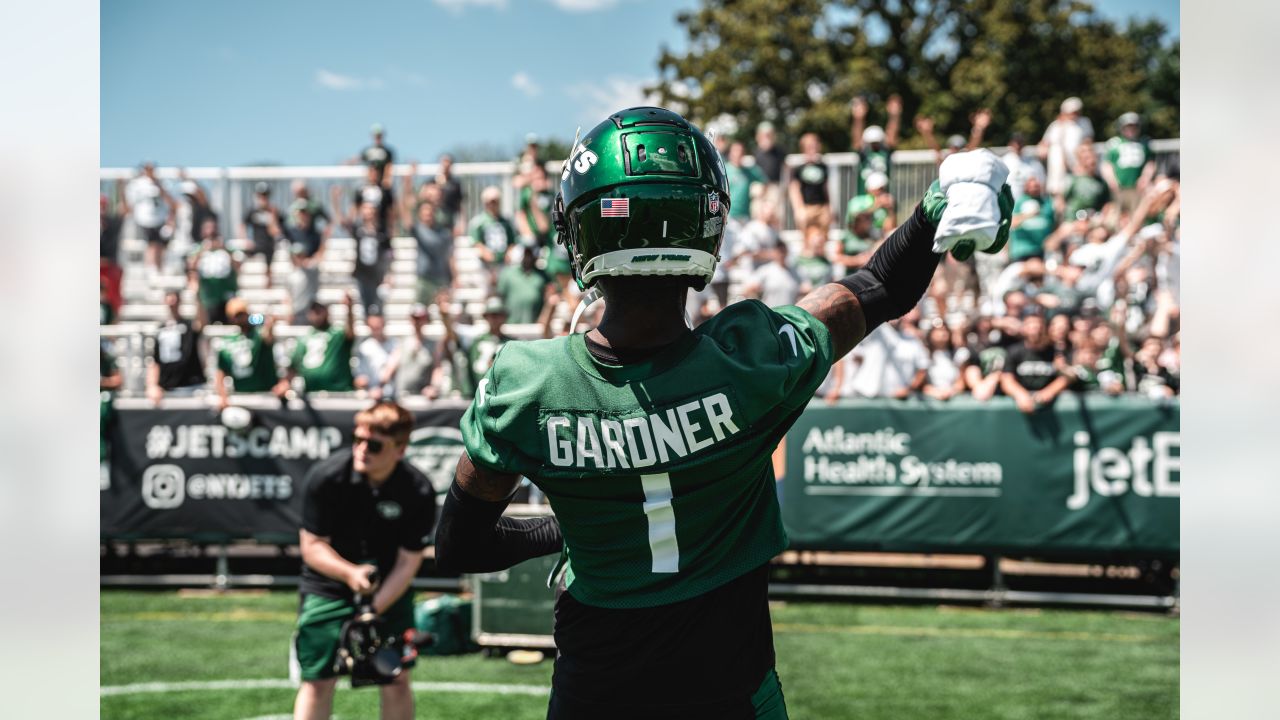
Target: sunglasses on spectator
[(374, 445)]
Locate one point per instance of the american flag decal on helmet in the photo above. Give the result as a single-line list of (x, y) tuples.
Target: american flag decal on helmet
[(615, 207)]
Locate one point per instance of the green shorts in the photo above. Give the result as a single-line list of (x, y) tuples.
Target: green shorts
[(315, 641), (427, 290)]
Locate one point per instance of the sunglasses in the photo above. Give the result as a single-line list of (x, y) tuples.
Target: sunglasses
[(375, 446)]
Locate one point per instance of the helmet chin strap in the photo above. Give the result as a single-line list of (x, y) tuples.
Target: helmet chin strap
[(584, 302)]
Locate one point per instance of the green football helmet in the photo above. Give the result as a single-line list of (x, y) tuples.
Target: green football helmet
[(643, 193)]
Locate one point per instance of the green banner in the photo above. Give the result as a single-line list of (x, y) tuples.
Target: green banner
[(1092, 476)]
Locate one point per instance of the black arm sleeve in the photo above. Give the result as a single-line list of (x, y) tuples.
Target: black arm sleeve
[(898, 274), (473, 536)]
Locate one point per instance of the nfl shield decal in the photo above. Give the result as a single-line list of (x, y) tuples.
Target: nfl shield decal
[(713, 202)]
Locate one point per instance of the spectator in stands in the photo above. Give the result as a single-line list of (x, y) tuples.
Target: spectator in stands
[(177, 366), (1032, 222), (812, 266), (1086, 192), (943, 379), (435, 250), (770, 158), (980, 120), (1057, 148), (373, 255), (322, 357), (879, 202), (419, 370), (379, 157), (533, 220), (106, 313), (522, 287), (257, 223), (858, 241), (471, 350), (1154, 379), (371, 192), (760, 235), (109, 375), (213, 272), (246, 358), (1082, 370), (1020, 165), (306, 250), (981, 358), (377, 360), (891, 362), (530, 156), (152, 210), (1031, 376), (776, 283), (451, 196), (742, 178), (109, 270), (315, 210), (810, 199), (874, 144), (492, 233), (1129, 166), (192, 210)]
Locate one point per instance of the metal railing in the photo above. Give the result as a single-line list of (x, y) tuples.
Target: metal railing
[(230, 189)]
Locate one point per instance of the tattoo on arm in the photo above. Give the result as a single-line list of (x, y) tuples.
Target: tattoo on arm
[(838, 308), (483, 483)]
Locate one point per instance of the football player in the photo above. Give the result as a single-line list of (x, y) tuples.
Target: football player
[(652, 441)]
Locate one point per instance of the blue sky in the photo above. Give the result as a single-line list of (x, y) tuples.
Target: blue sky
[(234, 82)]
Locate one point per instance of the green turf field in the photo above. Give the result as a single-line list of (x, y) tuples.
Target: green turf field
[(836, 661)]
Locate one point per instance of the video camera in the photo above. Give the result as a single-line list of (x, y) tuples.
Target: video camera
[(368, 653)]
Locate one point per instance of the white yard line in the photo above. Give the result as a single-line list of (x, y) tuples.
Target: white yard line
[(284, 684)]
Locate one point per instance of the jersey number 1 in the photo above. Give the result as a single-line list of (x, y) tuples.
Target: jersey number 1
[(662, 523)]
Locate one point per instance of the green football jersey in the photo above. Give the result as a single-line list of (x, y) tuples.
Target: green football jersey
[(1127, 157), (660, 472), (218, 282), (480, 354), (1085, 192), (815, 270), (323, 359), (249, 362), (871, 161)]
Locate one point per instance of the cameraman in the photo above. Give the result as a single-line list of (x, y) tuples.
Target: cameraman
[(364, 509)]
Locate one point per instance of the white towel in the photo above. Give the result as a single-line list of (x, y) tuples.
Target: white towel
[(971, 181)]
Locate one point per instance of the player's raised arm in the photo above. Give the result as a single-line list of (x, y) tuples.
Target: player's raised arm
[(967, 209)]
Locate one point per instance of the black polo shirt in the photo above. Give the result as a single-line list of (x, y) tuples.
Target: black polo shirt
[(177, 352), (363, 524)]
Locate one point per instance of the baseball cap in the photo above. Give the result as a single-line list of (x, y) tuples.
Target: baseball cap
[(494, 306), (299, 205), (261, 188), (235, 306), (531, 139), (861, 204), (877, 180), (1072, 104), (189, 187), (873, 134), (376, 129), (956, 141), (1129, 118), (765, 126)]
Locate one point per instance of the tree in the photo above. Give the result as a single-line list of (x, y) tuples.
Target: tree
[(799, 63)]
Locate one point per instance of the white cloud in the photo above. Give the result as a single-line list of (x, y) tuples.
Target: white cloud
[(338, 81), (610, 94), (584, 6), (525, 84), (457, 6)]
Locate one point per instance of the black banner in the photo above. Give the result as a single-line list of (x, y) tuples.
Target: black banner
[(181, 473)]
